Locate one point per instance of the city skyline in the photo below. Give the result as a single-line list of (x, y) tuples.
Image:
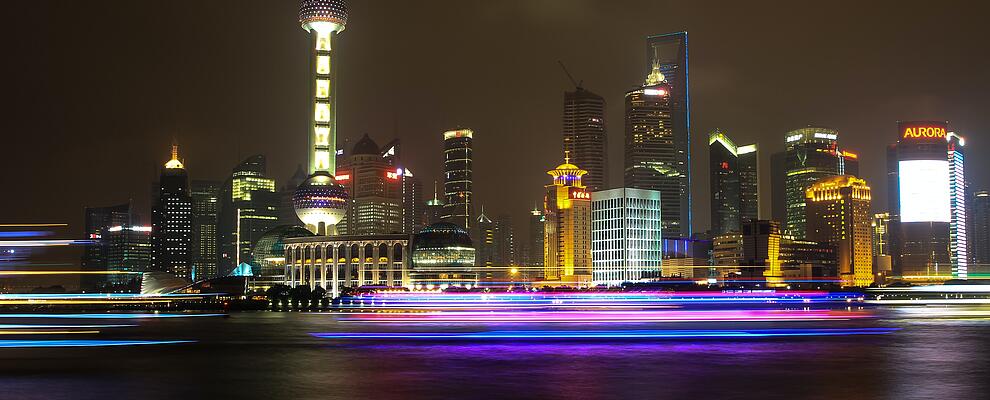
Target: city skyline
[(143, 131)]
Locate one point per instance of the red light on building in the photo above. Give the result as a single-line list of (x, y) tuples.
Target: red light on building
[(343, 176), (725, 165), (579, 194), (392, 175)]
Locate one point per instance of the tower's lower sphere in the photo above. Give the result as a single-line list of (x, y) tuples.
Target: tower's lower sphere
[(320, 203)]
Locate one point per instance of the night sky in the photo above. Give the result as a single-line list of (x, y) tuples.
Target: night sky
[(95, 92)]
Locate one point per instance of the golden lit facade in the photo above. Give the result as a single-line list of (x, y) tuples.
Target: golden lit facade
[(567, 227), (342, 261), (838, 212)]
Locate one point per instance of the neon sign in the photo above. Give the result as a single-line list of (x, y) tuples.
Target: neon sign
[(915, 132), (577, 194)]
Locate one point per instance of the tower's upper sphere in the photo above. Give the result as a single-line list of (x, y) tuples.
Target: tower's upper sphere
[(323, 15), (320, 200)]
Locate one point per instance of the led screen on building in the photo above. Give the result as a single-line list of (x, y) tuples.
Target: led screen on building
[(924, 187)]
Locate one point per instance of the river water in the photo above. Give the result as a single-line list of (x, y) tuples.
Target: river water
[(270, 355)]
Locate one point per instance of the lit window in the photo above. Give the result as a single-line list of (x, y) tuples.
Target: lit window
[(322, 88), (322, 112), (322, 65)]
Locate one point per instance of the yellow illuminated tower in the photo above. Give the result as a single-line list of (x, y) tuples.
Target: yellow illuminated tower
[(567, 227), (838, 212), (320, 201)]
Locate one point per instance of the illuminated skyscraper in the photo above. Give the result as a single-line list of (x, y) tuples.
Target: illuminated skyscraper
[(584, 135), (958, 239), (979, 232), (97, 221), (881, 244), (320, 201), (839, 213), (625, 236), (567, 230), (457, 183), (484, 240), (205, 205), (734, 186), (748, 165), (413, 207), (811, 155), (535, 244), (505, 241), (723, 165), (434, 207), (925, 168), (248, 209), (172, 221), (374, 187), (667, 54), (652, 158), (129, 249)]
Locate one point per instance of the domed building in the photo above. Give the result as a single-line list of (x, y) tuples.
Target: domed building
[(443, 255), (268, 254), (320, 203)]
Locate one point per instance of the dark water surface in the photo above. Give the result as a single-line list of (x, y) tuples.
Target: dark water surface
[(266, 355)]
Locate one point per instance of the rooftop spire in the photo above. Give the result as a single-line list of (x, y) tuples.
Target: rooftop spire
[(174, 163)]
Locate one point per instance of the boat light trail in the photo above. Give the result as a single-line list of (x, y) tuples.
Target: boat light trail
[(84, 343), (608, 316), (606, 334)]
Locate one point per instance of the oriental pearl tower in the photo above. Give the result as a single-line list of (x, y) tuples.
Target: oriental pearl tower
[(320, 201)]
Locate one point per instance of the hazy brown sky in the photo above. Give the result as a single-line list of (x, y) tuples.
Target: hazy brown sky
[(96, 91)]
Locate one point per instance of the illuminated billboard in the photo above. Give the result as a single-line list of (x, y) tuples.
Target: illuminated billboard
[(924, 190), (922, 130)]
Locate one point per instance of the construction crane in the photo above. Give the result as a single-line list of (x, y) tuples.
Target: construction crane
[(577, 84)]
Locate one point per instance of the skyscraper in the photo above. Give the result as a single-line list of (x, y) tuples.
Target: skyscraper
[(205, 205), (723, 166), (652, 160), (748, 165), (535, 244), (668, 54), (778, 186), (413, 207), (881, 244), (320, 201), (505, 241), (434, 207), (811, 155), (926, 169), (172, 221), (375, 190), (734, 183), (129, 249), (584, 135), (958, 239), (248, 209), (567, 230), (457, 183), (979, 232), (483, 236), (838, 212), (625, 236), (98, 221)]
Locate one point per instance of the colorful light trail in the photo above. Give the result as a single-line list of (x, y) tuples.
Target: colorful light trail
[(606, 334), (606, 316)]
